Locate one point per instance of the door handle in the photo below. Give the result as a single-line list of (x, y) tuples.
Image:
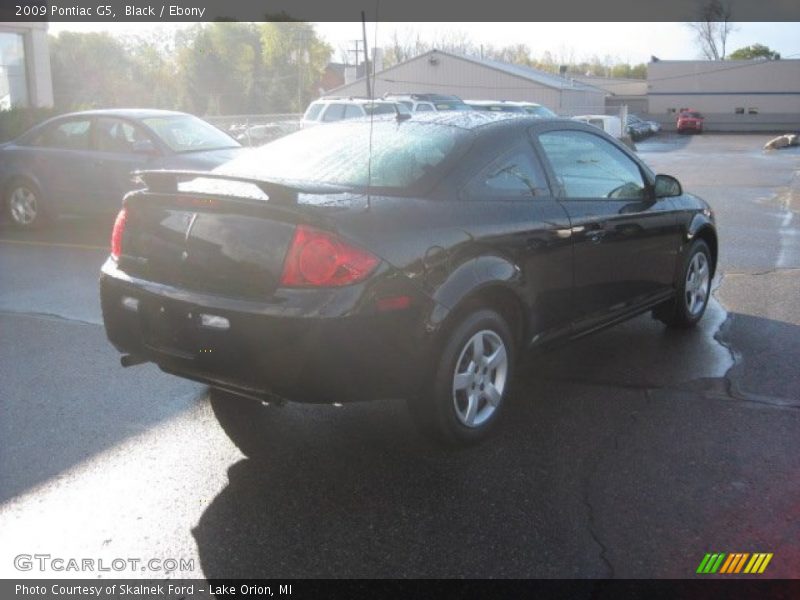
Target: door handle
[(596, 235)]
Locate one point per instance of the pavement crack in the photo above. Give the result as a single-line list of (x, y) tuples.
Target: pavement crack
[(47, 316), (587, 501), (772, 271)]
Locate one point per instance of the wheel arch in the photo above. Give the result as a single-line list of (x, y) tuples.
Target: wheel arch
[(704, 230), (495, 295)]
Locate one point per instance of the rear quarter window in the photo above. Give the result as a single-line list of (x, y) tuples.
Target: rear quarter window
[(313, 112)]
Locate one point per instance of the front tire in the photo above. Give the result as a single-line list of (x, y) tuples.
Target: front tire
[(694, 289), (24, 207), (468, 390)]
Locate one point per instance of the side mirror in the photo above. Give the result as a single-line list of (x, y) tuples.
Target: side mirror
[(145, 147), (667, 186)]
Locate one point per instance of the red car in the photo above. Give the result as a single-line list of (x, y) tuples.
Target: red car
[(690, 120)]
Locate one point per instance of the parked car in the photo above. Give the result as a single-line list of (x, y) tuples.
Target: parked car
[(332, 109), (655, 126), (637, 128), (81, 163), (689, 120), (428, 102), (529, 108), (412, 259), (610, 124)]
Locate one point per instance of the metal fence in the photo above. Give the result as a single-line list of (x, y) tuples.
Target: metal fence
[(255, 130)]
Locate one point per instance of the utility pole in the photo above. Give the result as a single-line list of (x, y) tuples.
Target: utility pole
[(301, 42), (366, 52), (356, 51)]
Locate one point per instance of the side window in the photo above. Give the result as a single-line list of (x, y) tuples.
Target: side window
[(516, 174), (352, 111), (71, 135), (335, 112), (424, 108), (587, 166), (116, 135)]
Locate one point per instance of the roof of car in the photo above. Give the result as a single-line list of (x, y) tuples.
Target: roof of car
[(470, 120), (355, 99), (501, 103), (133, 113)]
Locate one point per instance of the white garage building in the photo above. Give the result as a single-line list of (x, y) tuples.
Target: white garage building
[(475, 78), (732, 95), (24, 66)]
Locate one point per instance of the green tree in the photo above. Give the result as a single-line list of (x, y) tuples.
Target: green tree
[(220, 68), (754, 51), (91, 70), (294, 59)]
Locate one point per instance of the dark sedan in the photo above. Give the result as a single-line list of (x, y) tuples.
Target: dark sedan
[(81, 163), (414, 259)]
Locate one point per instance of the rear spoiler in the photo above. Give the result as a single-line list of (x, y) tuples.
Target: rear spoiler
[(166, 182)]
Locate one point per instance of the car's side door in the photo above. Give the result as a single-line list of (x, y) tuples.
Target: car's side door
[(63, 162), (625, 240), (523, 219), (120, 147)]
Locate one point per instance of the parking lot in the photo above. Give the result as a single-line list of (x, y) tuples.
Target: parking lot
[(631, 453)]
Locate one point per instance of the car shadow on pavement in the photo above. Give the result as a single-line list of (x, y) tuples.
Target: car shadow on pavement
[(600, 467)]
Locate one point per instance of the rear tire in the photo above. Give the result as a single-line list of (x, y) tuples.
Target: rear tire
[(693, 290), (468, 390)]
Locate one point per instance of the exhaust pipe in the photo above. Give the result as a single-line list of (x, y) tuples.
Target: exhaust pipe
[(130, 360)]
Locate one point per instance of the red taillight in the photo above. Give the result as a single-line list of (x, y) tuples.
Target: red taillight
[(319, 259), (116, 233)]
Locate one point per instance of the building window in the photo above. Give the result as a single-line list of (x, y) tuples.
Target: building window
[(752, 111), (739, 110), (13, 77)]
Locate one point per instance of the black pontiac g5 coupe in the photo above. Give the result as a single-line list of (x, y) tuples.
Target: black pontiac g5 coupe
[(397, 258)]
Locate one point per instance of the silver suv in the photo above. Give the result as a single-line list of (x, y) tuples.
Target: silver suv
[(330, 109), (428, 102)]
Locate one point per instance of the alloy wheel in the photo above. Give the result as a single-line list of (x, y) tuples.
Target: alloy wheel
[(23, 205), (697, 284), (480, 378)]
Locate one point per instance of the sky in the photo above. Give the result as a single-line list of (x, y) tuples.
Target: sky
[(623, 42)]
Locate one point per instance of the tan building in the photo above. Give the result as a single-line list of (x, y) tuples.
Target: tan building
[(630, 92), (732, 95), (24, 66), (473, 78)]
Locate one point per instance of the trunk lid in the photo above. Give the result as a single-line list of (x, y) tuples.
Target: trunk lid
[(230, 245)]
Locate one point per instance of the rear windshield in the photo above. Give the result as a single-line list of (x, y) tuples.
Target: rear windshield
[(497, 107), (451, 106), (692, 115), (403, 154)]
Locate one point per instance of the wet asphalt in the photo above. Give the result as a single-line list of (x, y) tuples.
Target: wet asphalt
[(631, 453)]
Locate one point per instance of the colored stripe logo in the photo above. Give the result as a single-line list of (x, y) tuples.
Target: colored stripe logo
[(737, 562)]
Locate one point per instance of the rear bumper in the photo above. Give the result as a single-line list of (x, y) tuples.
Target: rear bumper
[(287, 347)]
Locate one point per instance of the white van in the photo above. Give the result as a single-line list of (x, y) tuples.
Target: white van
[(611, 125)]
